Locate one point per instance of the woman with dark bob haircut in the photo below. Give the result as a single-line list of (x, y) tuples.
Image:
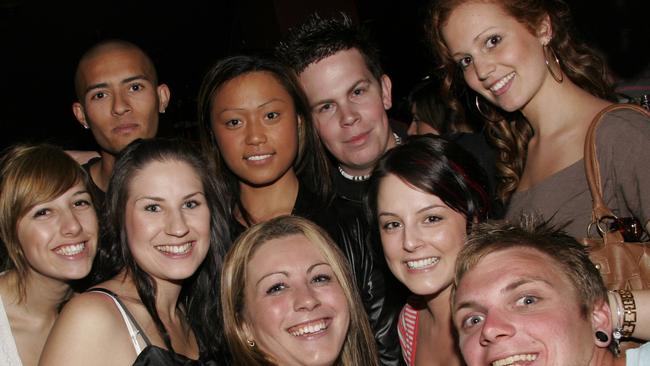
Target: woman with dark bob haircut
[(158, 302), (539, 88), (424, 197)]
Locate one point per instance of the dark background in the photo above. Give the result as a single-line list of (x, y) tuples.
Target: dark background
[(41, 42)]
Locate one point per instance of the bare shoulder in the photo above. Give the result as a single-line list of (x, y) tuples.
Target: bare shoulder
[(89, 327)]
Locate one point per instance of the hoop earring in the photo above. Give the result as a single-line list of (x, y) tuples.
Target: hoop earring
[(557, 78), (480, 111)]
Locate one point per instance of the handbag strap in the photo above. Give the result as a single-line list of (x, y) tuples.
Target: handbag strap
[(592, 167)]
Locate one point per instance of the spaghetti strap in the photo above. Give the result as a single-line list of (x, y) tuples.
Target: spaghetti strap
[(128, 319)]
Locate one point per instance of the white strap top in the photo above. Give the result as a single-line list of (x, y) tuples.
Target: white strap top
[(131, 324)]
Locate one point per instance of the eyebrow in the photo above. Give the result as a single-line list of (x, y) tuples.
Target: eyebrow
[(330, 100), (160, 199), (311, 268), (426, 208), (509, 288), (476, 38), (125, 81), (286, 274), (258, 107)]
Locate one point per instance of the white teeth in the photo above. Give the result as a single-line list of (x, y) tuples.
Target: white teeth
[(422, 263), (501, 83), (175, 249), (258, 157), (308, 329), (512, 359), (70, 250)]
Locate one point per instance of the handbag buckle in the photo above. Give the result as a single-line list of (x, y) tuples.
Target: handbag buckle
[(630, 227)]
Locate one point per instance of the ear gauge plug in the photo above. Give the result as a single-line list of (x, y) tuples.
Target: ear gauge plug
[(601, 336)]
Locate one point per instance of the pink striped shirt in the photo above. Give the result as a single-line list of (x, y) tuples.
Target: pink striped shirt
[(407, 328)]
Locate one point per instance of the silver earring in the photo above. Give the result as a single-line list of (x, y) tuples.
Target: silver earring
[(480, 111), (251, 343)]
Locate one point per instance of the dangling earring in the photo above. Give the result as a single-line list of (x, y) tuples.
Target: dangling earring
[(251, 343), (480, 111), (547, 49)]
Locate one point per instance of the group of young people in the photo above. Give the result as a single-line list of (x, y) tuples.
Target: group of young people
[(289, 236)]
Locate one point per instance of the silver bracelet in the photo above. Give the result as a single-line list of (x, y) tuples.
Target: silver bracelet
[(618, 328)]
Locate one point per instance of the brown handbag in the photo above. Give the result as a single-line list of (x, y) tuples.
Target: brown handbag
[(623, 265)]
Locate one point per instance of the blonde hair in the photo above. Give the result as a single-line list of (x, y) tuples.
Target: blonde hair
[(30, 175), (359, 346)]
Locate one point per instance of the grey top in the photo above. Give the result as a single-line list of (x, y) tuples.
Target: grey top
[(623, 149)]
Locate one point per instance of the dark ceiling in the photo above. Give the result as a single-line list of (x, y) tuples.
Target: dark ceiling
[(41, 42)]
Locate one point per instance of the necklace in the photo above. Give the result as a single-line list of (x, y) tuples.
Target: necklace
[(361, 178)]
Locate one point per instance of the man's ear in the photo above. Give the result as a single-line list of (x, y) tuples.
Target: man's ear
[(163, 97), (601, 320), (386, 86), (80, 114), (545, 30)]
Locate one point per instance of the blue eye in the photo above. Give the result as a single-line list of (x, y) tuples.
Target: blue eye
[(472, 321), (527, 300)]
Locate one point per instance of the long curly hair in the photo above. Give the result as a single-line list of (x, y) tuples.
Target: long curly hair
[(511, 132)]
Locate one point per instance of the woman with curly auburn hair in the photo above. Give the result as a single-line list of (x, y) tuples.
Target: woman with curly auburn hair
[(539, 89)]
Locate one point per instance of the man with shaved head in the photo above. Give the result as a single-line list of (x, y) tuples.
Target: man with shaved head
[(119, 99)]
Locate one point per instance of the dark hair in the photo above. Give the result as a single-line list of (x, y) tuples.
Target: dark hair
[(510, 133), (109, 44), (435, 166), (311, 163), (531, 233), (199, 297), (318, 38), (431, 108)]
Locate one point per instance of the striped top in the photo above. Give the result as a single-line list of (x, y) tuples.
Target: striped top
[(407, 328)]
